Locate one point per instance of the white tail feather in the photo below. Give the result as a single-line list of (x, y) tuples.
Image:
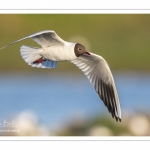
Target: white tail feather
[(31, 54)]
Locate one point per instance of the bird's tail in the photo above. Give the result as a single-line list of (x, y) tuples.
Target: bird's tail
[(32, 57), (30, 54)]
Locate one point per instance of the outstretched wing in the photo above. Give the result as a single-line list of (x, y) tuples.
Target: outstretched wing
[(43, 38), (98, 72)]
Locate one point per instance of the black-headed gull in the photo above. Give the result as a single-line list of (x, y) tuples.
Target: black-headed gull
[(54, 49)]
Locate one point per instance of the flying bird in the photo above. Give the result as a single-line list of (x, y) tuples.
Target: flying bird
[(54, 49)]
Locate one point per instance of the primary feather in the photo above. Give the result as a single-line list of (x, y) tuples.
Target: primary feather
[(97, 71)]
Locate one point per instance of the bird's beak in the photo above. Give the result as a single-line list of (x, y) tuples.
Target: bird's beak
[(87, 53)]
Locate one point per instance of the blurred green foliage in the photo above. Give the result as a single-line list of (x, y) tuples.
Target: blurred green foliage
[(103, 125), (133, 124), (122, 39), (76, 129)]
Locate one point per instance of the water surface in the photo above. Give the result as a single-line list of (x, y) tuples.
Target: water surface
[(54, 98)]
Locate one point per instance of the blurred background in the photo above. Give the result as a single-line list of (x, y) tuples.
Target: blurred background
[(61, 101)]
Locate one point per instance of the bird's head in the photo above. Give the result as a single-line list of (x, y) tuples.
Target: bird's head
[(79, 49)]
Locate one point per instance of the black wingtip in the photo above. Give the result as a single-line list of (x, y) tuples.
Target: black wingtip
[(120, 119), (116, 118)]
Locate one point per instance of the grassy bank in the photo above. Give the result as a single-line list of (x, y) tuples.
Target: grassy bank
[(123, 40)]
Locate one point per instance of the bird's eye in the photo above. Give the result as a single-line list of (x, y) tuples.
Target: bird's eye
[(79, 49)]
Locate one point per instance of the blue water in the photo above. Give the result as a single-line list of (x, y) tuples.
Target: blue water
[(53, 98)]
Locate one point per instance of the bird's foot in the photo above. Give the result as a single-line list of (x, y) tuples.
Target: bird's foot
[(40, 60)]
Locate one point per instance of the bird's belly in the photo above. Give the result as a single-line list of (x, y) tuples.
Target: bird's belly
[(56, 54)]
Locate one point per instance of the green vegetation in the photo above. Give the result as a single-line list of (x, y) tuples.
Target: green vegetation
[(103, 125), (99, 125), (123, 40)]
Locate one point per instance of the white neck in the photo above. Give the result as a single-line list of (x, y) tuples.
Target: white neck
[(69, 49)]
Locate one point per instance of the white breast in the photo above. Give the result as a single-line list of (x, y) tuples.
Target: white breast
[(60, 52)]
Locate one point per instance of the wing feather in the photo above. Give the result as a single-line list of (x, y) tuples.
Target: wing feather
[(43, 38), (98, 72)]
